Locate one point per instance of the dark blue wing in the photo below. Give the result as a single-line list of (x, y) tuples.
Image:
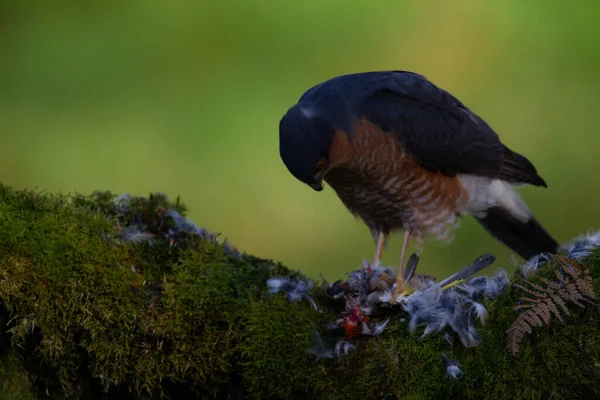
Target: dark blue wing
[(440, 131)]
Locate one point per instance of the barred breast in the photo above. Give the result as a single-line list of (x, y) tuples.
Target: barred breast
[(383, 184)]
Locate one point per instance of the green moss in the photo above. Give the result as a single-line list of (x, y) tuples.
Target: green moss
[(275, 359), (15, 383), (85, 313)]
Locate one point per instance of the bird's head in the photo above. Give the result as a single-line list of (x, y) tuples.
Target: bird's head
[(304, 141)]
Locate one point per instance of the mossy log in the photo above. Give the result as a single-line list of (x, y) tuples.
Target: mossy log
[(122, 298)]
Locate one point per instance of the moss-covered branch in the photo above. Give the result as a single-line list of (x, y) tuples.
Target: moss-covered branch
[(124, 298)]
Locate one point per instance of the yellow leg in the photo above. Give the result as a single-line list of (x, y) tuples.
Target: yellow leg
[(379, 250), (448, 286), (400, 276)]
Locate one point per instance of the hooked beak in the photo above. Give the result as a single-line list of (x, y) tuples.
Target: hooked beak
[(317, 185)]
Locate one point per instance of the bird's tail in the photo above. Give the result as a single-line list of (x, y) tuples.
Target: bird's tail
[(525, 238)]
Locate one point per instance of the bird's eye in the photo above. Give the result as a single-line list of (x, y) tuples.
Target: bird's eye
[(321, 164)]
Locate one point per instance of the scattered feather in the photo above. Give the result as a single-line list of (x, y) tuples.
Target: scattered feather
[(135, 234), (486, 286), (319, 349), (343, 347), (296, 289), (183, 225), (534, 263), (452, 368), (448, 338), (369, 290), (375, 331), (480, 312), (457, 307), (122, 203), (581, 247), (170, 225)]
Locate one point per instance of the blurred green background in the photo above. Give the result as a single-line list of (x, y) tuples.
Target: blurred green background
[(185, 97)]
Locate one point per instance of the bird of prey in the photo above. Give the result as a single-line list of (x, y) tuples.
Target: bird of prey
[(403, 154)]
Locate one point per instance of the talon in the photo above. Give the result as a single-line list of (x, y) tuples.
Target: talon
[(399, 288)]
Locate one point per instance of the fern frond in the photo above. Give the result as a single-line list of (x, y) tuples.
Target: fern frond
[(575, 286), (536, 293), (551, 284), (520, 306), (538, 288), (553, 302), (581, 275)]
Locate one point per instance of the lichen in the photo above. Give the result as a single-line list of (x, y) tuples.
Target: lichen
[(105, 296)]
